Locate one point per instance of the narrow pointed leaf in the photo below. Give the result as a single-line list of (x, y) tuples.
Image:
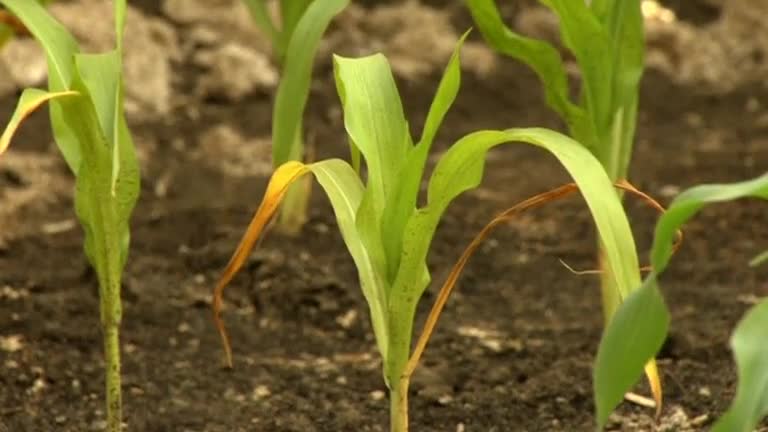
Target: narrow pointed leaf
[(102, 76), (374, 119), (631, 340), (345, 192), (291, 12), (375, 123), (758, 260), (120, 11), (540, 56), (296, 74), (639, 326), (260, 14), (60, 48), (590, 42), (402, 202), (460, 169), (748, 344)]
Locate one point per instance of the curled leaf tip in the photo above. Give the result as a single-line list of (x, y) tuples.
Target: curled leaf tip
[(654, 380), (31, 99), (278, 185)]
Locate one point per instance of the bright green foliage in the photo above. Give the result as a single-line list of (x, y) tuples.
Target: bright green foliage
[(295, 44), (86, 105), (386, 231), (396, 237), (748, 344), (606, 38), (640, 325), (6, 32), (301, 41)]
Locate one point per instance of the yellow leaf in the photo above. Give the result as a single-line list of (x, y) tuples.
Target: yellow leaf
[(30, 100), (278, 185)]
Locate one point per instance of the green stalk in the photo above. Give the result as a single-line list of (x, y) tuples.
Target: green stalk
[(113, 380), (615, 160), (293, 212), (398, 405), (111, 312)]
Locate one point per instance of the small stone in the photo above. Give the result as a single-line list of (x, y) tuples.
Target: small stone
[(377, 395), (347, 320), (183, 328), (669, 191), (11, 343), (260, 392)]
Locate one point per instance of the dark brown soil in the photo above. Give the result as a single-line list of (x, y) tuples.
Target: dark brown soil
[(513, 351)]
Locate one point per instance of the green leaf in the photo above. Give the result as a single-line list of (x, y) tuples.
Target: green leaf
[(639, 326), (260, 14), (688, 203), (461, 169), (101, 74), (58, 43), (540, 56), (291, 12), (60, 48), (590, 43), (120, 10), (402, 202), (345, 191), (633, 336), (756, 261), (374, 119), (624, 23), (748, 344), (293, 91), (375, 123)]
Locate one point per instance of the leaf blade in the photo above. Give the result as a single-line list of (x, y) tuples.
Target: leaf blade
[(345, 191), (293, 90), (30, 100), (460, 169), (612, 367)]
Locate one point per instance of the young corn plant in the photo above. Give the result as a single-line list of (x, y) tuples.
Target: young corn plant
[(620, 360), (606, 39), (295, 44), (85, 94), (389, 233)]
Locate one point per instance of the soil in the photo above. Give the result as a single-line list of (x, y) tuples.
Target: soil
[(514, 347)]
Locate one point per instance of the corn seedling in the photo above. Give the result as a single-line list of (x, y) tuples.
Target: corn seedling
[(385, 229), (85, 94), (606, 39), (295, 44), (644, 314)]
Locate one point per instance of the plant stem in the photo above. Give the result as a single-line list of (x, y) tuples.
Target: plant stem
[(113, 380), (608, 288), (398, 405), (293, 212)]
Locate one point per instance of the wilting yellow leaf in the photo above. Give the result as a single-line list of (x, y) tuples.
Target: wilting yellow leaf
[(651, 370), (278, 185)]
